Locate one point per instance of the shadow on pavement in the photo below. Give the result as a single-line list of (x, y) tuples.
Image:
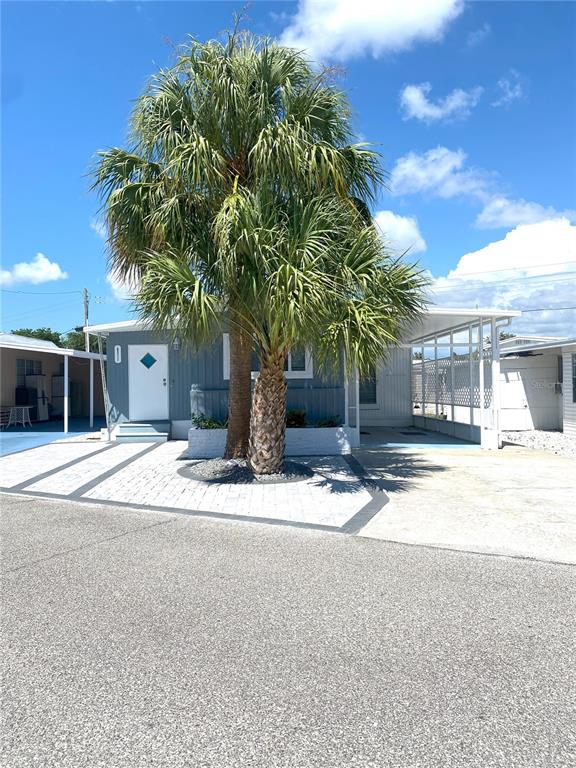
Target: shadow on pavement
[(397, 471)]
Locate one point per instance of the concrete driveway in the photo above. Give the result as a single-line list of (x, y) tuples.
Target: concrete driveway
[(515, 501), (137, 638)]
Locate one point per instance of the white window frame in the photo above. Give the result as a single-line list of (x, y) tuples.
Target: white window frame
[(372, 406), (307, 373)]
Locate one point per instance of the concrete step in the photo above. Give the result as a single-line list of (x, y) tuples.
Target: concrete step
[(130, 427), (141, 437)]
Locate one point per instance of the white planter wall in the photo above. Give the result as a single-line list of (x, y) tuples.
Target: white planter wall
[(305, 441)]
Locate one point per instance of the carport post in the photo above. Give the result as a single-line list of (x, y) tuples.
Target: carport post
[(495, 347), (452, 375), (481, 372), (91, 393), (66, 393), (346, 393), (436, 375), (471, 377), (423, 367), (357, 397)]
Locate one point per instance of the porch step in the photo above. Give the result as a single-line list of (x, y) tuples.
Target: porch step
[(142, 437), (136, 432)]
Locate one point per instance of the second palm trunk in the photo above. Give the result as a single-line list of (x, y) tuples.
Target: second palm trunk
[(268, 417)]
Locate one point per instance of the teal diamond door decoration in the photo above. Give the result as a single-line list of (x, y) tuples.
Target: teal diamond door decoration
[(148, 360)]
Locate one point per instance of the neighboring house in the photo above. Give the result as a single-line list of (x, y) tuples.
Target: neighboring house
[(153, 378), (52, 383), (538, 386), (511, 342)]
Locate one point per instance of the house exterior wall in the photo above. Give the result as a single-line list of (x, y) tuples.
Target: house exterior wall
[(569, 406), (529, 391), (321, 398), (393, 405)]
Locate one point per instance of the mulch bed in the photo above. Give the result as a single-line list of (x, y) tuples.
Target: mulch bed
[(234, 471)]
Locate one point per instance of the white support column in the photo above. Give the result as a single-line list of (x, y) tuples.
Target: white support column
[(346, 393), (471, 376), (66, 394), (495, 363), (423, 367), (452, 382), (357, 397), (91, 393), (436, 404), (481, 374)]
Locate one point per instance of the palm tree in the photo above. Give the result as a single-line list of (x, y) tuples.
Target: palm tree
[(315, 274), (229, 118)]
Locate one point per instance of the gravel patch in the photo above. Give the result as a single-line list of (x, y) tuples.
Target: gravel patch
[(543, 440), (233, 471)]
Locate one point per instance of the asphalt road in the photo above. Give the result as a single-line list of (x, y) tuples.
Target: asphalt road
[(147, 639)]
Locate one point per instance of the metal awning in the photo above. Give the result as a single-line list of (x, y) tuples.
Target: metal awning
[(440, 321)]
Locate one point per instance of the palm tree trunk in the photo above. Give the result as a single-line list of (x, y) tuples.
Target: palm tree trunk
[(239, 396), (268, 421)]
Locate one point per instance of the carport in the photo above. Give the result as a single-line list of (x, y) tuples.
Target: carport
[(53, 383), (453, 356)]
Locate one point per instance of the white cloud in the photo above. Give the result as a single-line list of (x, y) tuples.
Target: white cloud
[(123, 290), (99, 227), (39, 270), (443, 173), (503, 212), (440, 172), (510, 89), (340, 29), (457, 105), (532, 267), (400, 232), (478, 36)]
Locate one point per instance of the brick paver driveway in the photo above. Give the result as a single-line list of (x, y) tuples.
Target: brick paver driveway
[(147, 475)]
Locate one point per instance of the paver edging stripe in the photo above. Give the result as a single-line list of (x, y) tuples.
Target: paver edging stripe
[(79, 492), (378, 501), (175, 510), (44, 475)]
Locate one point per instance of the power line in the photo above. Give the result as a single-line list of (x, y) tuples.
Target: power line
[(41, 293), (513, 269), (11, 318), (551, 277), (479, 284), (548, 309)]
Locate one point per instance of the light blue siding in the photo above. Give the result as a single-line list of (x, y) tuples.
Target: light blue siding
[(321, 398)]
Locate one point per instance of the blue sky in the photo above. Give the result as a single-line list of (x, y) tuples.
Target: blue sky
[(471, 105)]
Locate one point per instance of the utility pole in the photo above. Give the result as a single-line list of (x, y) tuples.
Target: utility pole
[(86, 297)]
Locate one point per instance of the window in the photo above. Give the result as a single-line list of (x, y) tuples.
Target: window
[(298, 364), (574, 378), (368, 389), (26, 368), (560, 375)]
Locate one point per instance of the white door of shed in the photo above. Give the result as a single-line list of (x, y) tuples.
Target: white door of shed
[(148, 382)]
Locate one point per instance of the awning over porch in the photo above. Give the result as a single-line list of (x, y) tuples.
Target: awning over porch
[(437, 322)]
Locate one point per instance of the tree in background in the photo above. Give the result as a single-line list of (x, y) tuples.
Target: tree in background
[(244, 118), (45, 334), (70, 340)]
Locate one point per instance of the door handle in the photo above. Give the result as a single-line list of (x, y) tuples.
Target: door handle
[(164, 382)]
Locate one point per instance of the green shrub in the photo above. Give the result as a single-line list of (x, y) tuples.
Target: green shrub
[(295, 418), (200, 421), (329, 421)]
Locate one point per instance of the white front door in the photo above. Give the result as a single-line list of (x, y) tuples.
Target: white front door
[(148, 382)]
